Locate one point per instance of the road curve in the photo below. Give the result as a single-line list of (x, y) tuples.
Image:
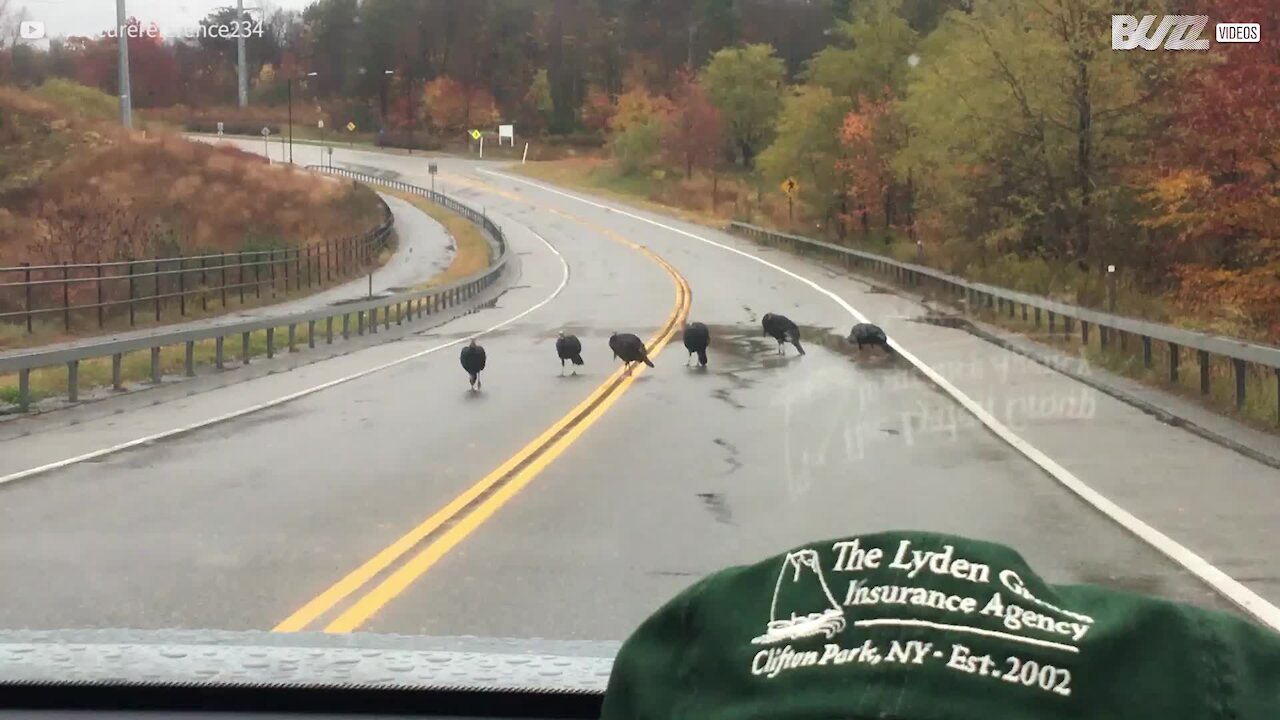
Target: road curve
[(244, 524)]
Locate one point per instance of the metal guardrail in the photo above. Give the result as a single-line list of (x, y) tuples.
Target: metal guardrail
[(156, 285), (1111, 328), (367, 313)]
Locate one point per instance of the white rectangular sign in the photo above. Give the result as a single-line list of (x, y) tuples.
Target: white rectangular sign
[(508, 132)]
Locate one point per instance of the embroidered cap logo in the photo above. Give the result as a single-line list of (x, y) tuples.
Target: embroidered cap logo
[(798, 579)]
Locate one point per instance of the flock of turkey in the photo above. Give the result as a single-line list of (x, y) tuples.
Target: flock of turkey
[(697, 338)]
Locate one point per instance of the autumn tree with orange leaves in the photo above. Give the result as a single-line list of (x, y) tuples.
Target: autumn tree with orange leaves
[(692, 134), (1216, 177)]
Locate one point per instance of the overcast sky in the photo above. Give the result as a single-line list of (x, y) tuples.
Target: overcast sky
[(92, 17)]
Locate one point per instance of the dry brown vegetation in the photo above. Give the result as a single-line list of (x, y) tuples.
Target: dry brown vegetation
[(74, 189)]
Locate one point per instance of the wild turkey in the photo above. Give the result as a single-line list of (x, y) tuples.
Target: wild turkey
[(630, 348), (868, 334), (473, 359), (696, 339), (569, 347), (780, 328)]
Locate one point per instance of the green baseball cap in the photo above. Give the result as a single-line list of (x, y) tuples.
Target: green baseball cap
[(923, 626)]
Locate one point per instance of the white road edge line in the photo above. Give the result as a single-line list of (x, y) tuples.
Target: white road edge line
[(1224, 584), (21, 474)]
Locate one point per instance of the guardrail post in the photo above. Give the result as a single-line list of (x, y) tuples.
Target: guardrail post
[(346, 326), (73, 381), (1084, 333), (399, 316), (360, 323), (293, 336), (271, 342), (1173, 363), (218, 355), (101, 305), (373, 321), (66, 297), (155, 365), (328, 330), (244, 348), (117, 376), (190, 364), (1203, 358), (311, 334), (1066, 326), (1146, 352), (24, 389), (386, 316), (1240, 378), (26, 286), (1104, 336), (156, 274)]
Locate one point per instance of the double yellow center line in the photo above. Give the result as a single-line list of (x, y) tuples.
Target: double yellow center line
[(399, 565)]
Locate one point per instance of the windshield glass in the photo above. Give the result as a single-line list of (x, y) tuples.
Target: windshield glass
[(514, 319)]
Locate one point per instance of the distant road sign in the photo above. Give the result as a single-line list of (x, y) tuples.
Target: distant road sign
[(219, 128), (265, 131), (475, 134), (790, 186), (431, 168), (320, 124), (351, 127)]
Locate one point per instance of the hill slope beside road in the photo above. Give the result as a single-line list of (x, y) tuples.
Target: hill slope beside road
[(75, 189)]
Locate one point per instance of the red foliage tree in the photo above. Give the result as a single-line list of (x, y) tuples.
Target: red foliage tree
[(1217, 173), (692, 132), (865, 135)]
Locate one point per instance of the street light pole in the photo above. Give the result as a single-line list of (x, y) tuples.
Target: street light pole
[(242, 71), (383, 96), (126, 104), (289, 84)]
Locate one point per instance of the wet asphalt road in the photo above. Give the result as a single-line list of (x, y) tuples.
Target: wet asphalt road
[(239, 525)]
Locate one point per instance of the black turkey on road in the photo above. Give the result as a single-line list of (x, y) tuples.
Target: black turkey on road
[(569, 347), (630, 348), (780, 328), (473, 359), (868, 334), (696, 339)]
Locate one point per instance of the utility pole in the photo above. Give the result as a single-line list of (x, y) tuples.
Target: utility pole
[(126, 105), (243, 69)]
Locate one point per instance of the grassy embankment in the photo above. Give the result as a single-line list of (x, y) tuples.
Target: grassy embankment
[(737, 198), (75, 188), (472, 254)]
